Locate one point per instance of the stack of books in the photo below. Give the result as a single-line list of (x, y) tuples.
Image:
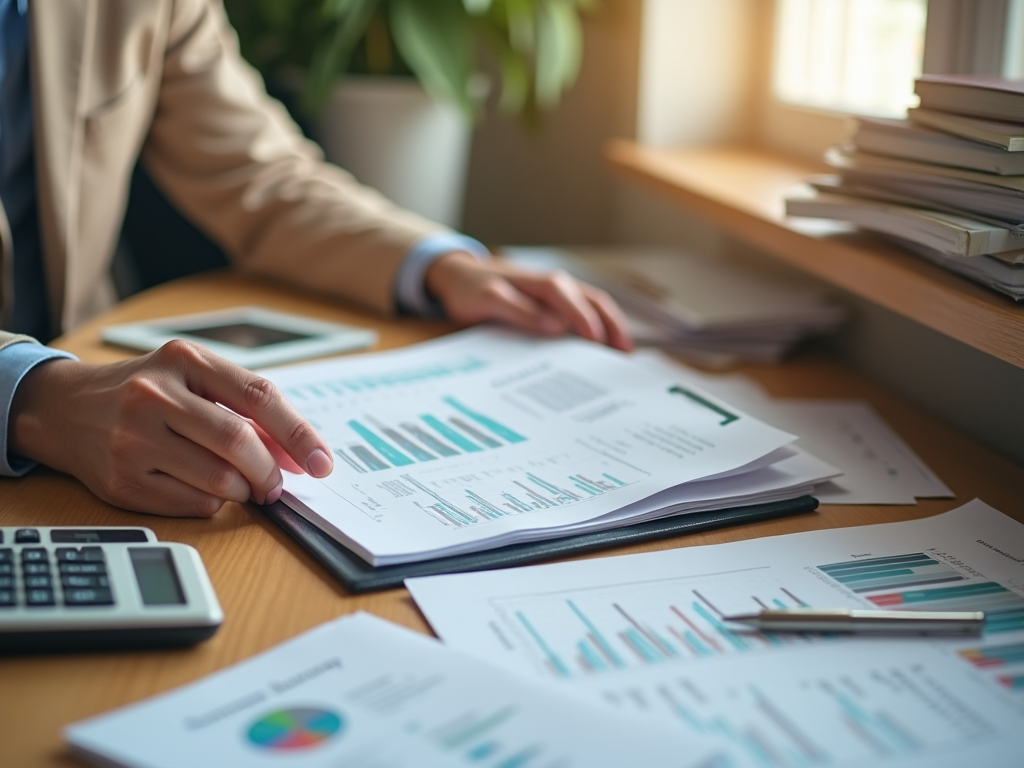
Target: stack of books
[(948, 182)]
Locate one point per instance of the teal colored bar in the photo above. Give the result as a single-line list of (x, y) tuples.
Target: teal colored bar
[(519, 759), (723, 630), (872, 576), (450, 434), (638, 641), (596, 633), (384, 448), (997, 623), (557, 662), (697, 645), (613, 479), (591, 656), (896, 737), (665, 644), (900, 560), (482, 751), (589, 487), (500, 430), (544, 484), (1012, 654), (966, 590)]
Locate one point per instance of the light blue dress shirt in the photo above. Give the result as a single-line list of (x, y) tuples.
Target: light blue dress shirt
[(30, 313)]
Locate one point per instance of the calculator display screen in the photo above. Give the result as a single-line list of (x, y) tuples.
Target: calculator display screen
[(156, 575)]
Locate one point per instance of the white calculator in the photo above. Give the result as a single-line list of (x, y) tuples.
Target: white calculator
[(81, 589)]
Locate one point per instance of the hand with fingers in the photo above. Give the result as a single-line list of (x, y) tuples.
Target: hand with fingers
[(150, 434), (551, 303)]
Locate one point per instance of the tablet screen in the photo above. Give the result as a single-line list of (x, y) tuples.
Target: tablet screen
[(247, 335)]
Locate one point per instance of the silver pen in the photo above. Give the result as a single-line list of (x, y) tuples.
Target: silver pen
[(882, 622)]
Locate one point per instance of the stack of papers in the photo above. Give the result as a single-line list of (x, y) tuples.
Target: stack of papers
[(362, 693), (878, 466), (644, 634), (712, 310), (487, 438)]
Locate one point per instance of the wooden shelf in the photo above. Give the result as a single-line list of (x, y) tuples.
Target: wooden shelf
[(742, 190)]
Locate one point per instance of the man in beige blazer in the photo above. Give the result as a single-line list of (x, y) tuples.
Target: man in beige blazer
[(110, 79)]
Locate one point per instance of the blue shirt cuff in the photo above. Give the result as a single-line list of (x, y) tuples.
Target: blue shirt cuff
[(410, 286), (15, 361)]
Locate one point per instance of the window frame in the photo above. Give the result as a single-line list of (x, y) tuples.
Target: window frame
[(961, 37)]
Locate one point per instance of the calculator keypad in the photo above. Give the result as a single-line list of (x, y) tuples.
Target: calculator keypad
[(81, 578)]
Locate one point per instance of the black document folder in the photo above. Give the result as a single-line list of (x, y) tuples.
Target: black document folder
[(359, 576)]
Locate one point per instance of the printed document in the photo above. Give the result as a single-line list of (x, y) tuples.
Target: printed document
[(645, 634), (359, 692), (878, 467), (488, 437)]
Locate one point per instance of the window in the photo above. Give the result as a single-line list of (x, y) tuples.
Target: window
[(835, 58), (859, 56)]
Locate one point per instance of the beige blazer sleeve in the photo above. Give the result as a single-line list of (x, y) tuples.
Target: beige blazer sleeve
[(236, 164)]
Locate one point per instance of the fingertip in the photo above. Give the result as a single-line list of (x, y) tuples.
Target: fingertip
[(319, 463), (275, 494), (622, 339)]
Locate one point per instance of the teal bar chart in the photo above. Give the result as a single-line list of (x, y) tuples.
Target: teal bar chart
[(581, 635), (379, 443), (919, 582), (519, 491), (387, 380)]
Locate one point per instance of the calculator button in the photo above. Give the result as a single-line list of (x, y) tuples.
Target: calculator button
[(6, 598), (67, 555), (35, 555), (35, 569), (93, 554), (6, 582), (81, 582), (6, 555), (26, 536), (97, 596), (38, 582), (6, 569), (39, 597), (83, 569)]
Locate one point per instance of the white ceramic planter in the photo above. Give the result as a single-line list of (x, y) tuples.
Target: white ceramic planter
[(393, 137)]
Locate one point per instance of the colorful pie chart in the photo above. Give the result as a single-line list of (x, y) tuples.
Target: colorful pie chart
[(294, 729)]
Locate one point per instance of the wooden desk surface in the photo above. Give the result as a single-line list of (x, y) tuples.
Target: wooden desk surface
[(272, 590)]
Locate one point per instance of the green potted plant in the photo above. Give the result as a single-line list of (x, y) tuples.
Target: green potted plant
[(376, 74)]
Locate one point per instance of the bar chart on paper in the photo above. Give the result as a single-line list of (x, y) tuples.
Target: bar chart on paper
[(487, 491), (826, 707), (621, 626), (661, 647), (333, 387), (373, 443), (645, 633), (920, 581)]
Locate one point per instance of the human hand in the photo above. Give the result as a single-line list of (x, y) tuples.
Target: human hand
[(549, 303), (147, 434)]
